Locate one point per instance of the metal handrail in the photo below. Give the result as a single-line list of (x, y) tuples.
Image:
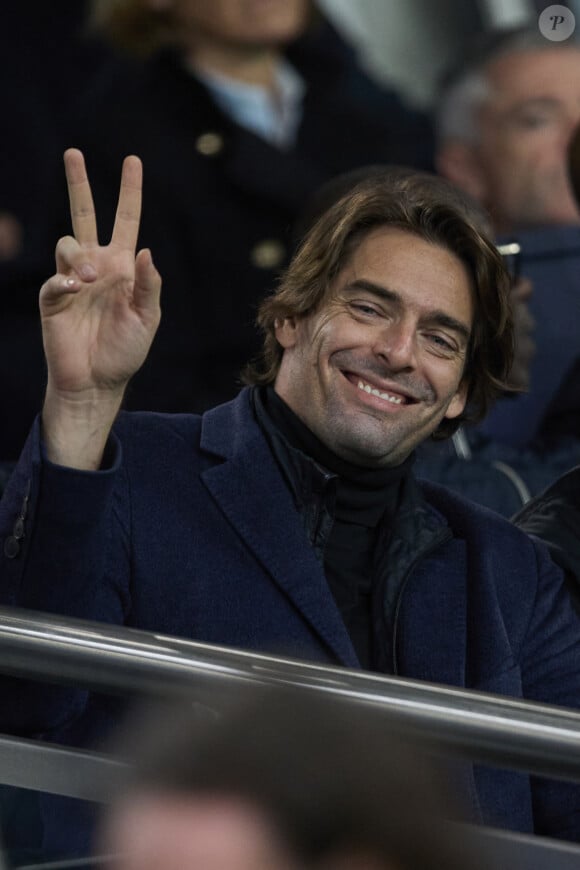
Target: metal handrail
[(540, 738), (76, 773)]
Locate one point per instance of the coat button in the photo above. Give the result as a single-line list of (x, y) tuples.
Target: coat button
[(11, 547), (268, 254), (209, 144), (18, 530)]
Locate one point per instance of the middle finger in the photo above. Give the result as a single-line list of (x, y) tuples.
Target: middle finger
[(126, 228)]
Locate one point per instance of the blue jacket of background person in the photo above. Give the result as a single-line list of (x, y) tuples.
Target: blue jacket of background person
[(494, 474), (551, 259), (190, 530)]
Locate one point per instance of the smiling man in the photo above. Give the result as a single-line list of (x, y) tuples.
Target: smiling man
[(289, 520)]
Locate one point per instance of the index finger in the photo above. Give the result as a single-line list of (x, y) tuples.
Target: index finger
[(82, 210), (126, 227)]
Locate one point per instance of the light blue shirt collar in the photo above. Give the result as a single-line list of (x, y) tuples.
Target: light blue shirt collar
[(275, 119)]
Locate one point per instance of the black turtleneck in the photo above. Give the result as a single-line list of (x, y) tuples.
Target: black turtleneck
[(346, 508)]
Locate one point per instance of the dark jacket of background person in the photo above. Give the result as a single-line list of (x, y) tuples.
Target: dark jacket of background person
[(554, 516), (45, 62), (495, 475), (186, 539), (220, 201), (530, 438), (551, 259)]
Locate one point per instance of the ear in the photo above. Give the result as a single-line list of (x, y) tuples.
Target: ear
[(457, 403), (459, 162), (286, 332)]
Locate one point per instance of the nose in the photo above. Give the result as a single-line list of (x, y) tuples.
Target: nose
[(396, 343)]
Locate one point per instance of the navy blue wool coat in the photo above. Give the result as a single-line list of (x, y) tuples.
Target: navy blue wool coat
[(190, 530)]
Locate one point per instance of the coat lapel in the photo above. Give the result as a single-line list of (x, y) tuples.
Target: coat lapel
[(252, 495)]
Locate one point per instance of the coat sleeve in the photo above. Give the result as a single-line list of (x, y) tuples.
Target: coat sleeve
[(65, 550), (550, 664)]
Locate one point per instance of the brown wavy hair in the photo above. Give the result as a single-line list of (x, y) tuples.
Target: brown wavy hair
[(431, 209)]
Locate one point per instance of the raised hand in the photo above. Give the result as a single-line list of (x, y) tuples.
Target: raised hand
[(99, 316), (100, 311)]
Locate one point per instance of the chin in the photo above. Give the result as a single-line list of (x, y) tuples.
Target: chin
[(369, 451)]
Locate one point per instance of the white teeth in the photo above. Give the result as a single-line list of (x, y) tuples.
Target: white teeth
[(374, 392)]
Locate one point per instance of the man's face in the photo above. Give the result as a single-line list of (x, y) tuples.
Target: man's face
[(524, 130), (374, 370), (243, 22)]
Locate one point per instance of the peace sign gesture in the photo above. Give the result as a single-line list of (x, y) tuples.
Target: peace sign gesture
[(99, 313)]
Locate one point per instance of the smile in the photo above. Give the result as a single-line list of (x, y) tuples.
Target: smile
[(366, 388)]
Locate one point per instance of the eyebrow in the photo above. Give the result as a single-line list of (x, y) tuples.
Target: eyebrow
[(439, 318)]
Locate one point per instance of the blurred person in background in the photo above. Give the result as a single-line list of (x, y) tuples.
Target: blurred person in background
[(506, 115), (504, 121), (280, 781)]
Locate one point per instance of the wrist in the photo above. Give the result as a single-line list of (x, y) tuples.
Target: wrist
[(76, 427)]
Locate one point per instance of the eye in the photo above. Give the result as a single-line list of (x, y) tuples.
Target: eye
[(535, 120), (440, 343), (363, 308), (532, 122)]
